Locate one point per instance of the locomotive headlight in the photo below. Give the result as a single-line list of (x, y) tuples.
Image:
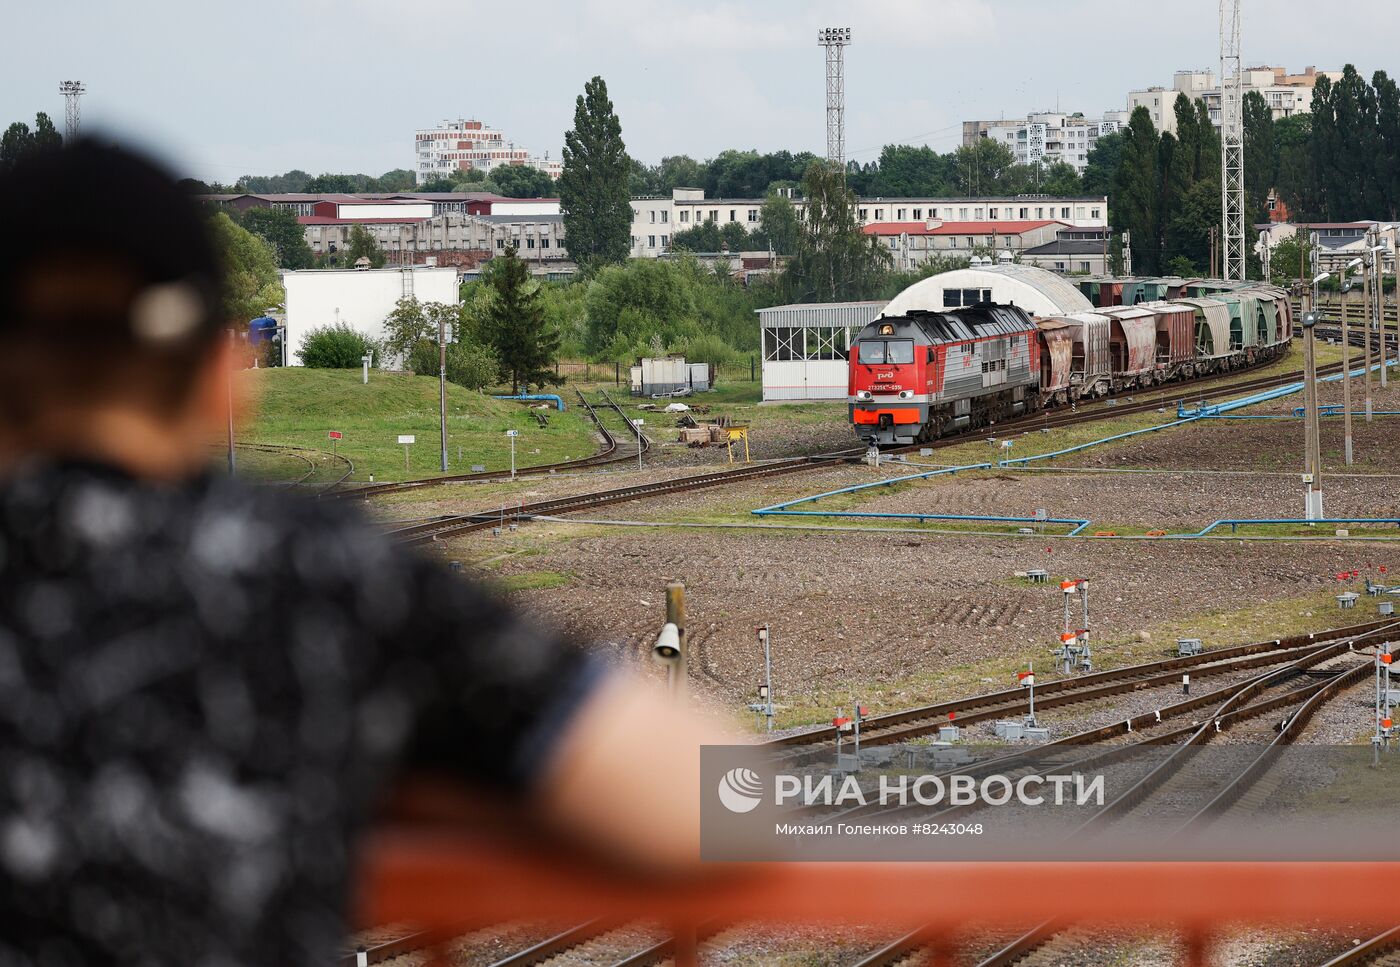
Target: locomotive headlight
[(864, 394), (906, 394)]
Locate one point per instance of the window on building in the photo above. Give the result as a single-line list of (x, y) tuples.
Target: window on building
[(864, 213), (1084, 266), (953, 241), (992, 214), (733, 215), (544, 243), (1094, 212), (665, 240), (879, 214), (500, 244), (753, 214), (651, 241), (933, 213), (1025, 213), (962, 214), (783, 343), (665, 217), (894, 242), (529, 243), (899, 216), (653, 216), (1059, 266), (685, 215), (962, 298), (1064, 213)]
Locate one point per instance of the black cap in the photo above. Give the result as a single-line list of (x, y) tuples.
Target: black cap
[(76, 214)]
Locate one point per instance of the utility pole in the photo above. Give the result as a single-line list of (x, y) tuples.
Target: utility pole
[(1378, 254), (1231, 142), (442, 387), (72, 109)]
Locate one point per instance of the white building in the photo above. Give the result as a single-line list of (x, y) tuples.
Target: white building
[(1046, 138), (468, 145), (805, 348), (655, 219), (1035, 290), (1286, 94), (361, 299)]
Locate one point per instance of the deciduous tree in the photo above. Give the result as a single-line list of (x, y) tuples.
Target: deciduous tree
[(593, 191)]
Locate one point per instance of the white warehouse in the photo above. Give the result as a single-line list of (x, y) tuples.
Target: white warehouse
[(805, 348), (1037, 291), (362, 299)]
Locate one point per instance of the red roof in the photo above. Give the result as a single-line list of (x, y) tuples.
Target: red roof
[(957, 228), (328, 220)]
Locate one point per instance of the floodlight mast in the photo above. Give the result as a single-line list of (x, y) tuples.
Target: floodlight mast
[(71, 91), (1231, 142), (835, 40)]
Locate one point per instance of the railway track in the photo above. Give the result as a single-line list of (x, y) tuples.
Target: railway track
[(911, 723), (612, 452), (1236, 704), (1122, 405), (1382, 950)]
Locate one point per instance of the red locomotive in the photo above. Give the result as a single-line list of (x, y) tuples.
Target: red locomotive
[(918, 376)]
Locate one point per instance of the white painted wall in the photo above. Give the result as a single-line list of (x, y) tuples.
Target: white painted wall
[(362, 300), (405, 211), (806, 379), (526, 207)]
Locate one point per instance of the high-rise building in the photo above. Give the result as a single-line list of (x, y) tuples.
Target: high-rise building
[(1046, 138), (469, 145), (1286, 94)]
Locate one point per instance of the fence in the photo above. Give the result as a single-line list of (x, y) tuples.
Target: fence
[(436, 881)]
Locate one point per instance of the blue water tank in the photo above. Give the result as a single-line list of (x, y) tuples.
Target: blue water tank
[(262, 329)]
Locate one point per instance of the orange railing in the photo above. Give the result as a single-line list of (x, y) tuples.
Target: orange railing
[(437, 881)]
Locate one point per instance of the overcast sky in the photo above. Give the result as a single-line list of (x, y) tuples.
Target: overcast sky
[(261, 86)]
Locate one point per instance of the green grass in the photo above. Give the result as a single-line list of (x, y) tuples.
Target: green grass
[(293, 406), (533, 580)]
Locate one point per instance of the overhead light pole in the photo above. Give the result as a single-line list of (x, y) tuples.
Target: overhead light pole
[(1346, 356), (1312, 475), (1380, 248)]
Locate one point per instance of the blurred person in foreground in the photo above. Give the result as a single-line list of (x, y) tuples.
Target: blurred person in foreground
[(207, 688)]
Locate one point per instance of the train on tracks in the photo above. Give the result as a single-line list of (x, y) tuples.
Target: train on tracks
[(927, 371)]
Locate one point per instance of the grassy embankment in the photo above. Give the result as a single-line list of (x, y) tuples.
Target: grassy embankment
[(298, 407)]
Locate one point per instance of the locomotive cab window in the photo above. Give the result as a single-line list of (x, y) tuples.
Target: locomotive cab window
[(900, 351), (872, 352)]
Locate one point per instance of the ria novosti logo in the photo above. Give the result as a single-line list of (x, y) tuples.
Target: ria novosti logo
[(740, 790)]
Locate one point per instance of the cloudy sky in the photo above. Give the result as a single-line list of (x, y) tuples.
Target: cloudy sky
[(261, 86)]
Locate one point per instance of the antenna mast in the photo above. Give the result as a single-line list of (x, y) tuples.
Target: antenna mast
[(1232, 203), (835, 40)]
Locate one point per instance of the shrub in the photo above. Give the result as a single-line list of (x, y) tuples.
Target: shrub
[(335, 347)]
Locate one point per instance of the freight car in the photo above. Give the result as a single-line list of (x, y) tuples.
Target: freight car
[(925, 373)]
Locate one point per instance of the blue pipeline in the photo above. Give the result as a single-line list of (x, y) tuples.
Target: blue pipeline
[(1288, 389), (1094, 443), (782, 508), (1234, 523), (556, 400), (1079, 524)]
